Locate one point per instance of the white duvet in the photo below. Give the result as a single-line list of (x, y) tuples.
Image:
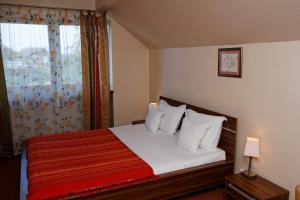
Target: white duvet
[(160, 150)]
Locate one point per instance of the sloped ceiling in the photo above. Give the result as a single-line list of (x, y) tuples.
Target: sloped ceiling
[(103, 5), (185, 23)]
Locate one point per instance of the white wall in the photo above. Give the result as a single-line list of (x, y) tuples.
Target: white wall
[(71, 4), (266, 100), (130, 60)]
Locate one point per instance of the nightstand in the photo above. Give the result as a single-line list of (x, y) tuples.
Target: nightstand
[(237, 186), (138, 122)]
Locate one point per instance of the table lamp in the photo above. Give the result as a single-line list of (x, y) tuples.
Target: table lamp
[(251, 150), (153, 105)]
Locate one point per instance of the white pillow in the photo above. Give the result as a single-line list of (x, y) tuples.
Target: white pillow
[(190, 135), (172, 117), (153, 119), (211, 139)]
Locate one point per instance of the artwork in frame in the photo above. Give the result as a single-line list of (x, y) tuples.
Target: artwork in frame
[(230, 62)]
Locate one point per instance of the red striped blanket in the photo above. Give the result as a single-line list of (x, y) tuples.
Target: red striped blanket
[(80, 163)]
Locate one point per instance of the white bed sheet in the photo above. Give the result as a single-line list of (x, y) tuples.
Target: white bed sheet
[(160, 151)]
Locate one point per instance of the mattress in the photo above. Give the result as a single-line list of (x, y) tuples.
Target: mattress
[(160, 150)]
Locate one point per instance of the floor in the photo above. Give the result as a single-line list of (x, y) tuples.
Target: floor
[(10, 180)]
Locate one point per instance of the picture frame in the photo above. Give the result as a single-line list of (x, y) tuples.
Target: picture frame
[(230, 62)]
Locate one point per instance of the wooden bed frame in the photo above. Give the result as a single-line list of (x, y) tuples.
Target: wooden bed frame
[(172, 184)]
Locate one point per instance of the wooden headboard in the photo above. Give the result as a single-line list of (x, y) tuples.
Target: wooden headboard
[(228, 136)]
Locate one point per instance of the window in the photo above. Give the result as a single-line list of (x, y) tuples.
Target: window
[(25, 50), (27, 55), (70, 54), (109, 33)]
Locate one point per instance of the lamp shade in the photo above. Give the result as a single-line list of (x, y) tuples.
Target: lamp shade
[(252, 147), (153, 105)]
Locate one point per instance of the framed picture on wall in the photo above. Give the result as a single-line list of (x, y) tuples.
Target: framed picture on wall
[(230, 62)]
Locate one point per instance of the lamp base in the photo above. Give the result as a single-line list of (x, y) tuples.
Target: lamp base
[(249, 174)]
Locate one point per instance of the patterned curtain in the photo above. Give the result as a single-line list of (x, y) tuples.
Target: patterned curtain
[(5, 131), (95, 70), (41, 51)]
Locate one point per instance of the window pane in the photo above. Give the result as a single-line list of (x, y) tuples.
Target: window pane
[(25, 50), (110, 54), (71, 54)]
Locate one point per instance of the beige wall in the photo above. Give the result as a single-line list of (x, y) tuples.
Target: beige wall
[(71, 4), (266, 100), (130, 60)]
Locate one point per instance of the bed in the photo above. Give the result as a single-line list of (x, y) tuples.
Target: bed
[(179, 176)]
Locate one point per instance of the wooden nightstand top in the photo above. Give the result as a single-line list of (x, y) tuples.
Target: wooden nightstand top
[(258, 187), (138, 122)]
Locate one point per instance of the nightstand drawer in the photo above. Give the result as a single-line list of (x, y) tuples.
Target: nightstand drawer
[(236, 193)]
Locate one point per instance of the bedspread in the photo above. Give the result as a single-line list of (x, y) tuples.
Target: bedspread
[(80, 163)]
